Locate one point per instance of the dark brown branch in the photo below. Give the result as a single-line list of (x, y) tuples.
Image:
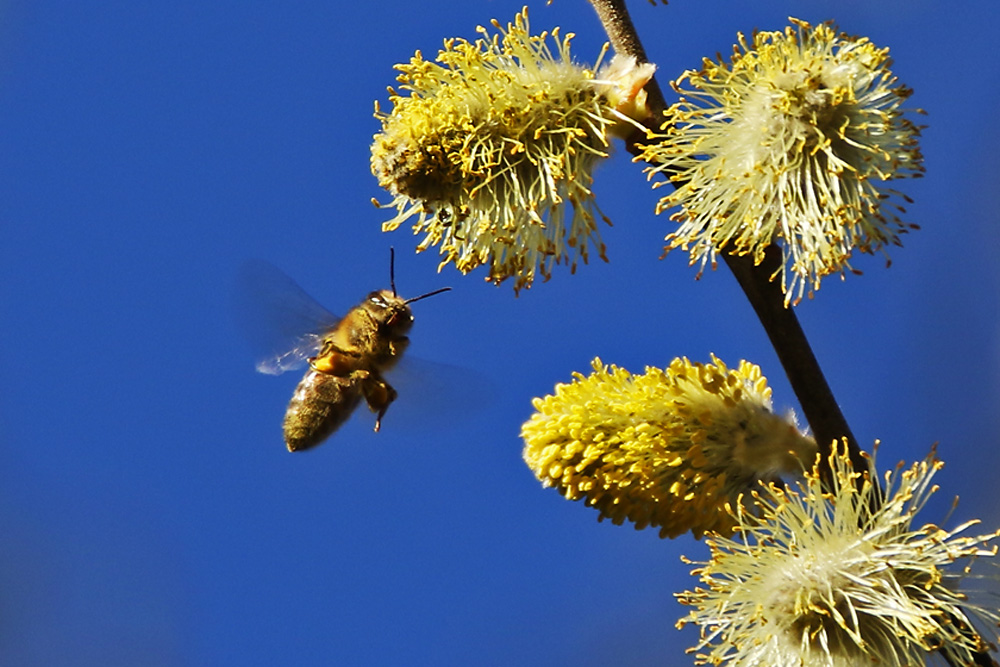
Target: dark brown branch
[(621, 31), (782, 326), (780, 323), (625, 41), (819, 406)]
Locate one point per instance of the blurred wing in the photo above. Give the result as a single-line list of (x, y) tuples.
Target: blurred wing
[(283, 324), (435, 397), (295, 358)]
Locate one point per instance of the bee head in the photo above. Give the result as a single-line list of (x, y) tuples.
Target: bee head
[(389, 309), (391, 312)]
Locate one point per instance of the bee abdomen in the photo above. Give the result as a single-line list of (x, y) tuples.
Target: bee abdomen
[(320, 404)]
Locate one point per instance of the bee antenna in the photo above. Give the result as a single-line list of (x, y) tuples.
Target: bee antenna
[(392, 269), (424, 296)]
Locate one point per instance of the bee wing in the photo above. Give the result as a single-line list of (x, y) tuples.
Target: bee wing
[(284, 325), (435, 396), (290, 360)]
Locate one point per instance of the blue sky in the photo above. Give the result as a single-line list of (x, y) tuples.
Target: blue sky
[(149, 511)]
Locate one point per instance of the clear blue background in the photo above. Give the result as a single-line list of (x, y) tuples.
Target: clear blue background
[(149, 513)]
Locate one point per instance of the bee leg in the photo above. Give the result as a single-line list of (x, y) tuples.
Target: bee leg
[(379, 394), (398, 346)]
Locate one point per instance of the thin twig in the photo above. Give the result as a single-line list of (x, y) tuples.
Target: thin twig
[(796, 356), (780, 322)]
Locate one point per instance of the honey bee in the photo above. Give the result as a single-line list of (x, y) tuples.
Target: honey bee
[(347, 357)]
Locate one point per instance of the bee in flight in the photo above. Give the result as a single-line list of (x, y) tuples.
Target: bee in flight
[(347, 357)]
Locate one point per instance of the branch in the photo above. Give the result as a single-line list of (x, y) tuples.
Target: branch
[(818, 404), (780, 323)]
